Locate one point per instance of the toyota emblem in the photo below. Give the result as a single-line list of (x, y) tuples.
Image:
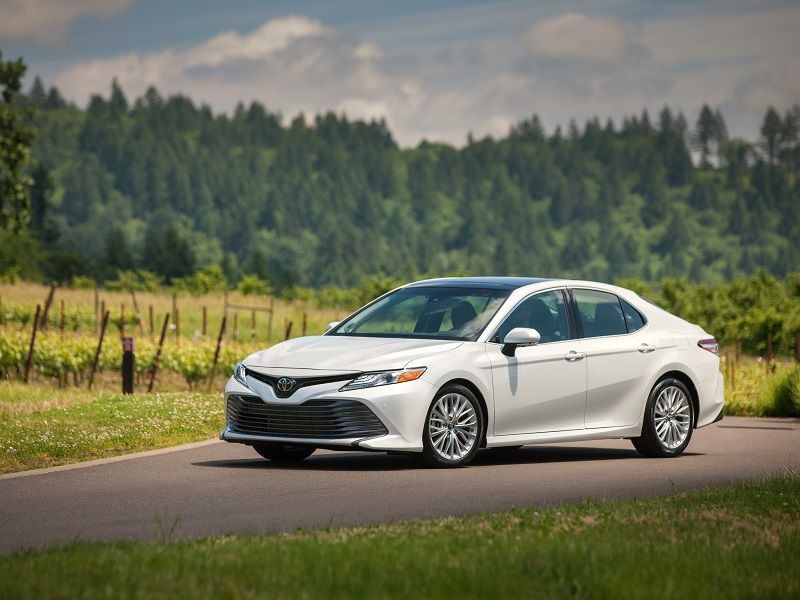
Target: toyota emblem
[(285, 384)]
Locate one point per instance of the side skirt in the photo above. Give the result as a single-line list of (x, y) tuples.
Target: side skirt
[(574, 435)]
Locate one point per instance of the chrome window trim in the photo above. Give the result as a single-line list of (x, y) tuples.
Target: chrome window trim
[(618, 297)]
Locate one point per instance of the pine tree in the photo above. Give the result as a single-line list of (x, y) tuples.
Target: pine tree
[(770, 133), (704, 134), (37, 94), (118, 102)]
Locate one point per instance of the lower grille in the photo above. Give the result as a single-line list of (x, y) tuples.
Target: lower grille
[(321, 419)]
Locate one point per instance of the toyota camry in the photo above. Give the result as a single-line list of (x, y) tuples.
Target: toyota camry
[(445, 367)]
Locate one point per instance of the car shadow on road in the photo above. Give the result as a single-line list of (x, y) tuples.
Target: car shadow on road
[(379, 461)]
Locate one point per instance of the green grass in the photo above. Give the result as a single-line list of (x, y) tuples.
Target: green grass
[(738, 541), (42, 427), (752, 391)]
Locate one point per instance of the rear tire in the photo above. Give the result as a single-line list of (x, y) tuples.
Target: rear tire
[(668, 420), (284, 453), (453, 429)]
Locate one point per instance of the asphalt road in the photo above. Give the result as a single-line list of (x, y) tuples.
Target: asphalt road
[(220, 488)]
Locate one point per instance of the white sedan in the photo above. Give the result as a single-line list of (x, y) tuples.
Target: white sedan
[(444, 367)]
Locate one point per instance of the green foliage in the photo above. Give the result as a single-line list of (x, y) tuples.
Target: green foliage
[(164, 185), (211, 279), (70, 357), (81, 282), (19, 256), (782, 395), (16, 137), (139, 280), (747, 309), (251, 285)]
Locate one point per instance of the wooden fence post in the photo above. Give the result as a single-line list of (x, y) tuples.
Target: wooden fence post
[(216, 353), (136, 310), (158, 354), (205, 321), (288, 330), (768, 365), (305, 324), (122, 320), (797, 348), (96, 311), (61, 320), (29, 359), (236, 325), (177, 326), (150, 318), (175, 321), (99, 348), (225, 305), (269, 322), (47, 304)]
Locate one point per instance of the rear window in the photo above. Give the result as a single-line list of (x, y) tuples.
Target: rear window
[(633, 318), (600, 313)]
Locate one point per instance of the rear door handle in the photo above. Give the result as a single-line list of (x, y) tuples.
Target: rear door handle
[(572, 356), (645, 348)]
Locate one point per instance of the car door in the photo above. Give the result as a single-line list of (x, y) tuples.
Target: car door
[(543, 387), (621, 355)]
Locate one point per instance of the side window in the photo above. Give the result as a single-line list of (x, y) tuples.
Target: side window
[(633, 318), (545, 312), (600, 313)]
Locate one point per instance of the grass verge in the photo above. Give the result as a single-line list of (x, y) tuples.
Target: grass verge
[(751, 392), (43, 427), (738, 541)]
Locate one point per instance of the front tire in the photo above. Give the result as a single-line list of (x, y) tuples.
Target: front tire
[(454, 428), (284, 453), (668, 420)]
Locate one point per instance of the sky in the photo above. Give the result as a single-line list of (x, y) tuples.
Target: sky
[(435, 70)]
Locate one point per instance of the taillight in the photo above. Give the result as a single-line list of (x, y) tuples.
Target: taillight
[(710, 344)]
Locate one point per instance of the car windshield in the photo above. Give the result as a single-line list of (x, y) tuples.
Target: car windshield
[(426, 312)]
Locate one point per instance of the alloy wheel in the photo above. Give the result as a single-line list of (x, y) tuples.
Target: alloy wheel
[(672, 416), (453, 426)]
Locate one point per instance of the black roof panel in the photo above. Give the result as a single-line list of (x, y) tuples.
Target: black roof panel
[(500, 283)]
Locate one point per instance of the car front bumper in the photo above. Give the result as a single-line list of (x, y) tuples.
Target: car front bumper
[(401, 408)]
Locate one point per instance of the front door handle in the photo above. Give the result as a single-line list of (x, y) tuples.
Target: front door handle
[(572, 356), (645, 348)]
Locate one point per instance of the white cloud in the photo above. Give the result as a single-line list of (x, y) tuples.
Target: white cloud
[(562, 66), (271, 37), (47, 21), (575, 35)]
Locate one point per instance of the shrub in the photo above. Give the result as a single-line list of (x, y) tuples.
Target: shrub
[(81, 282), (210, 279), (251, 285), (781, 394)]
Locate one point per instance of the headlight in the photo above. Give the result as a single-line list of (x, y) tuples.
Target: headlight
[(240, 374), (376, 378)]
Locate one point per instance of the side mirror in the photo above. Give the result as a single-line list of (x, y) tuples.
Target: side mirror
[(519, 336), (331, 325)]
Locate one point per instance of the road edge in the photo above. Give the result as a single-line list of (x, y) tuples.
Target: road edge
[(110, 459)]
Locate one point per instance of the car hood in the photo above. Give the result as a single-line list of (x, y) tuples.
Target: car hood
[(347, 354)]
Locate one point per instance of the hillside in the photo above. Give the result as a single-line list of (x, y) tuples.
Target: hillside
[(168, 186)]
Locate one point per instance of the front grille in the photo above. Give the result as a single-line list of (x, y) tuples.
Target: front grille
[(322, 419), (299, 382)]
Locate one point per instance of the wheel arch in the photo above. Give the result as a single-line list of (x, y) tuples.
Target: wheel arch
[(481, 401), (687, 381)]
